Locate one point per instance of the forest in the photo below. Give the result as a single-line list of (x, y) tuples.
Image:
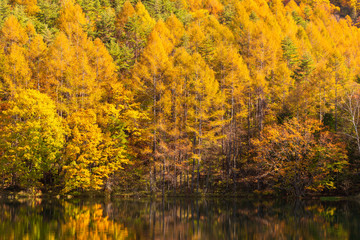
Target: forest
[(180, 97)]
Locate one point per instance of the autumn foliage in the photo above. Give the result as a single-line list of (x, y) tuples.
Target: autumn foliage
[(297, 157), (179, 96)]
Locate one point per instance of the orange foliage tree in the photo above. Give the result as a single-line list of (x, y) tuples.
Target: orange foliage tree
[(298, 156)]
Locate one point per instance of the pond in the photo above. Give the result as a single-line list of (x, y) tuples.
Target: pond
[(179, 218)]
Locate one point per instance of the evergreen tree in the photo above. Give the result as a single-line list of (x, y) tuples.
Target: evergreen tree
[(304, 69), (289, 52)]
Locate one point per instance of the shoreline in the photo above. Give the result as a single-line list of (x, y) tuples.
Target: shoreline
[(11, 195)]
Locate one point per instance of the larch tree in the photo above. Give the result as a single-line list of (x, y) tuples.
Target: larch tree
[(59, 70), (36, 55), (233, 77), (151, 74), (205, 117), (16, 68)]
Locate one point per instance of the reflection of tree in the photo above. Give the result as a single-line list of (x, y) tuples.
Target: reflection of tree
[(88, 222), (179, 219), (212, 219), (28, 220), (56, 220)]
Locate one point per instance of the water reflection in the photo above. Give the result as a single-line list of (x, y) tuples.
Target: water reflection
[(179, 219)]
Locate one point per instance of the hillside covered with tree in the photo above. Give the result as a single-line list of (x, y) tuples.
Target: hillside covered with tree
[(180, 96)]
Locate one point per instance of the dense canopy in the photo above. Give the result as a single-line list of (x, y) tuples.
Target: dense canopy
[(195, 96)]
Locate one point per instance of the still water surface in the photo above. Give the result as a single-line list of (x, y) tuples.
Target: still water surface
[(179, 219)]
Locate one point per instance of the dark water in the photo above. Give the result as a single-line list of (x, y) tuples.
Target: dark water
[(179, 219)]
